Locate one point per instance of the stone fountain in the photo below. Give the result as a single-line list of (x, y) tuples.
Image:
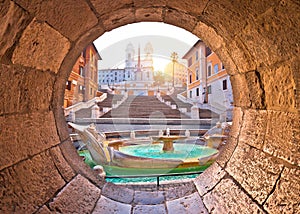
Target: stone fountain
[(167, 140)]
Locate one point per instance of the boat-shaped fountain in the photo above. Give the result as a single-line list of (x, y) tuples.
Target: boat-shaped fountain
[(159, 156)]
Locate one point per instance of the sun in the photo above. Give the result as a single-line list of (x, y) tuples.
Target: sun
[(160, 63)]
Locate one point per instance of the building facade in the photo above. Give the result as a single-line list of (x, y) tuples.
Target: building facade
[(91, 57), (219, 90), (75, 83), (137, 67), (82, 84), (112, 76), (207, 79), (179, 73), (196, 72)]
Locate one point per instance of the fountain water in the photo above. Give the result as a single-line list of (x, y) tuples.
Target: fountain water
[(163, 157)]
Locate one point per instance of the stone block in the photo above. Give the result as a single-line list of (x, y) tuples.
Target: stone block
[(117, 193), (180, 19), (57, 107), (22, 93), (106, 205), (283, 136), (240, 91), (209, 178), (259, 45), (29, 184), (77, 164), (226, 151), (237, 121), (107, 6), (82, 42), (44, 210), (148, 198), (63, 15), (191, 204), (277, 22), (12, 21), (254, 128), (230, 65), (10, 191), (23, 136), (194, 7), (255, 88), (279, 87), (11, 80), (157, 209), (118, 18), (62, 165), (224, 21), (149, 14), (256, 171), (178, 192), (296, 75), (36, 95), (78, 196), (146, 3), (212, 39), (241, 57), (227, 197), (286, 197), (41, 47)]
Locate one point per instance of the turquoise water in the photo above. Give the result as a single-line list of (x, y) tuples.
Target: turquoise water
[(181, 151)]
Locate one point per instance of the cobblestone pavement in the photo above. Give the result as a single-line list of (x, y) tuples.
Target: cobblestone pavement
[(169, 197)]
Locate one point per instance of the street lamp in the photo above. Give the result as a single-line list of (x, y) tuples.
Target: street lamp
[(174, 57)]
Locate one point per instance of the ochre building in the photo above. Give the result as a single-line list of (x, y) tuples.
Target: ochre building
[(258, 43)]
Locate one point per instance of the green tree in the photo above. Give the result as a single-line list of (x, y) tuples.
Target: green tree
[(159, 78)]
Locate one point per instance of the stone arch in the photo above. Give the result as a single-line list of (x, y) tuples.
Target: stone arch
[(259, 45)]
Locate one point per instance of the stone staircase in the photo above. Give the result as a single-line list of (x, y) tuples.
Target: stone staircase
[(203, 113), (175, 101), (144, 107), (110, 100), (107, 103), (84, 113), (206, 113)]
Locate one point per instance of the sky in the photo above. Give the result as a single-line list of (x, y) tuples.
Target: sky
[(164, 38)]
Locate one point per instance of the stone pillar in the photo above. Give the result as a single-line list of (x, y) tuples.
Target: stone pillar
[(71, 117), (132, 135), (195, 112), (95, 112), (158, 95), (187, 133), (223, 116)]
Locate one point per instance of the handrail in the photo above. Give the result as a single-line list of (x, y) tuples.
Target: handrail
[(153, 175), (87, 104)]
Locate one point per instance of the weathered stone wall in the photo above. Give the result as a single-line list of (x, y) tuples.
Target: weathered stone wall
[(258, 42)]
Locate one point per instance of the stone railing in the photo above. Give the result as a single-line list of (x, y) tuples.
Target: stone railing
[(119, 102), (87, 104), (182, 98)]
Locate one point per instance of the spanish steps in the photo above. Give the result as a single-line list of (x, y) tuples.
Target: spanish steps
[(107, 103), (144, 107)]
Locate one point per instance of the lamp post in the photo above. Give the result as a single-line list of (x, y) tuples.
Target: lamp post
[(174, 57)]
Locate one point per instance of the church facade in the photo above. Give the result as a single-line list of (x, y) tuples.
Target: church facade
[(138, 68)]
